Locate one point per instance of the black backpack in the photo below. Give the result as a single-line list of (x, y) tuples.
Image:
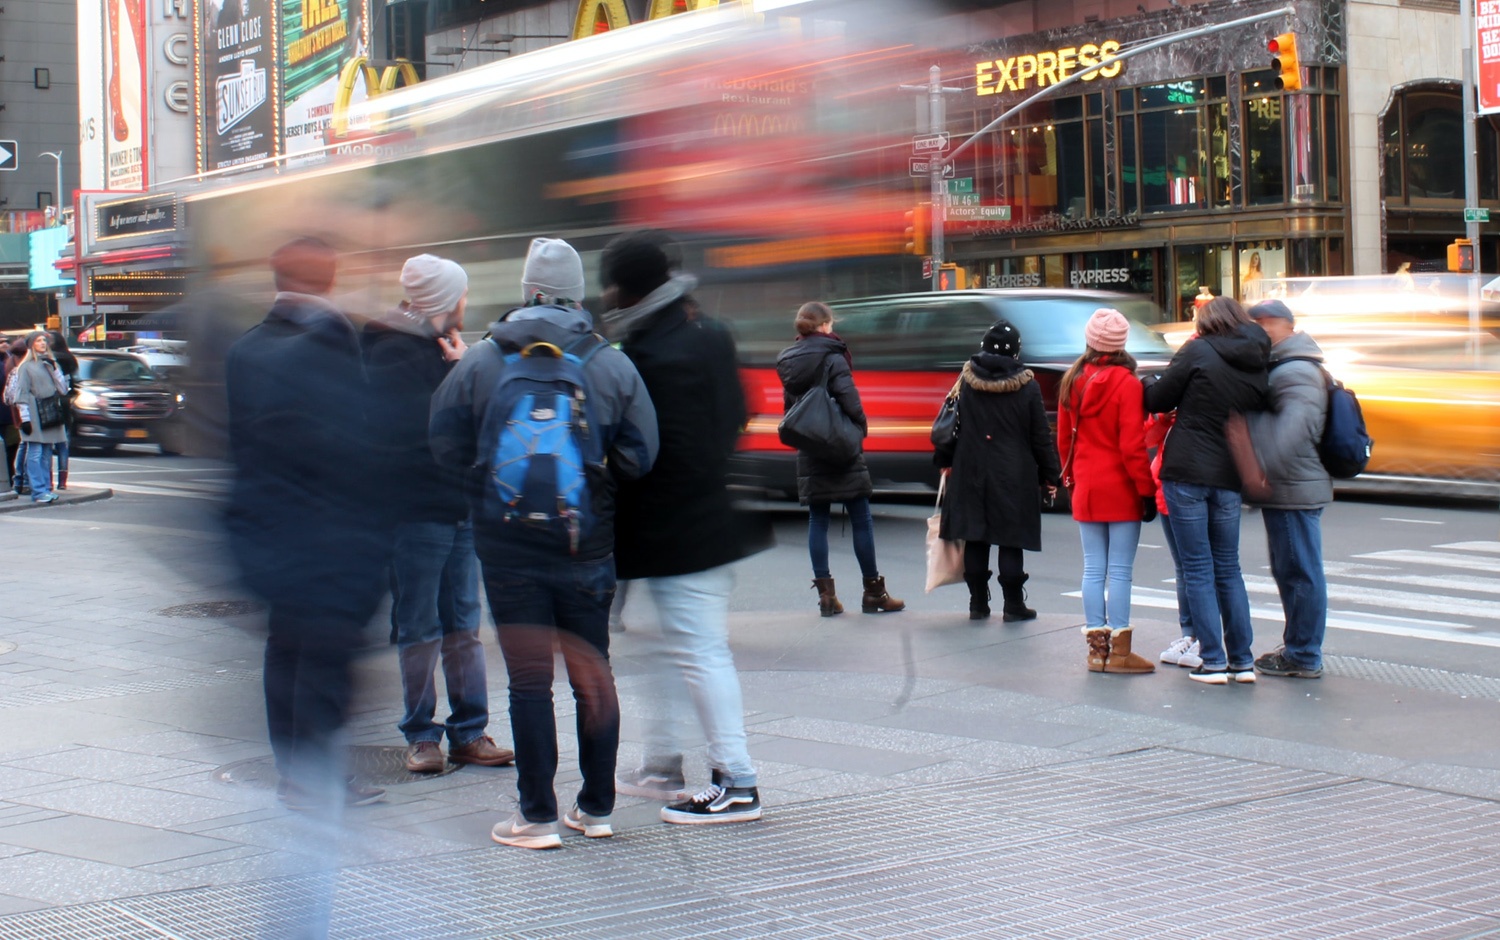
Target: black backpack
[(1346, 445)]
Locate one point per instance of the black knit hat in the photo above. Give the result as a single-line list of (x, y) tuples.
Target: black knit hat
[(1003, 339)]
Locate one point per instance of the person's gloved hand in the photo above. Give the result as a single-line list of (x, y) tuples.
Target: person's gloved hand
[(1148, 508), (25, 427)]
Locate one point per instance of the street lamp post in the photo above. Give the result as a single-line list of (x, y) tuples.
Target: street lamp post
[(57, 200)]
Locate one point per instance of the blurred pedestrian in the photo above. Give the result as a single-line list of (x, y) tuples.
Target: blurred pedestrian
[(40, 395), (1102, 443), (306, 517), (434, 572), (544, 414), (1003, 458), (1221, 372), (67, 363), (1286, 438), (820, 356), (10, 422), (678, 530)]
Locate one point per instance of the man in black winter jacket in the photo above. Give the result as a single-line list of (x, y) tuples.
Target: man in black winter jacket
[(435, 575)]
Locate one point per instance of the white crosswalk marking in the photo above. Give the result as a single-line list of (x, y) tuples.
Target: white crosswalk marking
[(1492, 547), (1440, 559), (1389, 575), (1375, 597)]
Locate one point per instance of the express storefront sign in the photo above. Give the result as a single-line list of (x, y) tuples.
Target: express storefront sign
[(1037, 70)]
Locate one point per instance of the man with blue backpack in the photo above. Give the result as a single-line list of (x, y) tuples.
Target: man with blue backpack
[(545, 418), (1288, 439)]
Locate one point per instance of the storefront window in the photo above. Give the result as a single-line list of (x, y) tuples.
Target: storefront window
[(1182, 129), (1130, 174), (1331, 145), (1390, 151), (1421, 137), (1218, 116), (1265, 176), (1047, 162), (1197, 267), (1172, 158), (1259, 261)]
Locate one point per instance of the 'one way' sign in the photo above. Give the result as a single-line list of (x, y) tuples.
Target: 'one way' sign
[(8, 158)]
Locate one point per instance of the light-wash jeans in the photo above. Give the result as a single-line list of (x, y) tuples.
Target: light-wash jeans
[(1108, 557), (690, 647)]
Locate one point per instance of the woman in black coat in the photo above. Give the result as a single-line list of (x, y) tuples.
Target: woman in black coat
[(1003, 457), (817, 356)]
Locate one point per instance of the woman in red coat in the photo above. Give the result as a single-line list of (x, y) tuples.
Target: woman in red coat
[(1102, 443)]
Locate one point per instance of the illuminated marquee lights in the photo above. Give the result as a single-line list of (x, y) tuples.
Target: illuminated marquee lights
[(1018, 73), (601, 16)]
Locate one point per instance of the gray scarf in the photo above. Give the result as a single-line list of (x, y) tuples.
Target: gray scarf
[(626, 321)]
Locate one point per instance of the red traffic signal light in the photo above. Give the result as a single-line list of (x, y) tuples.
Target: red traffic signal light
[(1283, 49), (1461, 256)]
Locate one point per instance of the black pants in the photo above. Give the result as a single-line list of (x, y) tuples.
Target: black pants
[(1009, 562), (308, 685)]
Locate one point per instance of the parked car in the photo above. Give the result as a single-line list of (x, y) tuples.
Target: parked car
[(907, 350), (118, 399)]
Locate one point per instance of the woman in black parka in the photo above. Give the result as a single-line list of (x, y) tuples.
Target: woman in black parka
[(821, 484), (1003, 457)]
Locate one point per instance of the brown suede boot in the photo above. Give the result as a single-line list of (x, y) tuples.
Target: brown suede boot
[(1121, 659), (1098, 639), (828, 601), (62, 479), (876, 600)]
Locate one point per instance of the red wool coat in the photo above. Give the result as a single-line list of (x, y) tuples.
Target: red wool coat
[(1110, 471)]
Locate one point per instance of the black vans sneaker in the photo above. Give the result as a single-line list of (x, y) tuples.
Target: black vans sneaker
[(715, 804)]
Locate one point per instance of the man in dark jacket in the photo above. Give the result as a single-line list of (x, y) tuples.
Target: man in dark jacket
[(678, 529), (1286, 439), (305, 515), (544, 589), (435, 576)]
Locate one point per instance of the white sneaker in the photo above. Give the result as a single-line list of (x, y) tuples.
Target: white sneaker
[(1173, 653), (595, 827), (1191, 658), (1242, 675), (527, 835)]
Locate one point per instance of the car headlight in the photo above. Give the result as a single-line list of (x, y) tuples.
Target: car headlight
[(181, 398), (88, 401)]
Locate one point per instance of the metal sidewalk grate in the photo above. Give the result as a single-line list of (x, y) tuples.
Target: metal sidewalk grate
[(1414, 677)]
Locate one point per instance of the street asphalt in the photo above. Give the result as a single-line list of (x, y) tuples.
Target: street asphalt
[(923, 776)]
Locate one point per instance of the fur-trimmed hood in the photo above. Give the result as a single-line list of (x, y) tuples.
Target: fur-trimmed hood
[(975, 378)]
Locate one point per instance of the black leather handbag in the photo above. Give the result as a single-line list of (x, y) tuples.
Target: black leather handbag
[(816, 425), (945, 427), (51, 411)]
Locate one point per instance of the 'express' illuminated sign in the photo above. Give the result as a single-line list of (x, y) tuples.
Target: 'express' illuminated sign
[(1021, 72)]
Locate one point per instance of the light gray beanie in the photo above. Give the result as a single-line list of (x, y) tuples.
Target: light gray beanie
[(554, 270), (434, 285)]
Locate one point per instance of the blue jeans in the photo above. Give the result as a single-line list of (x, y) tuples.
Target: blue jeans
[(1108, 556), (1206, 524), (1295, 539), (1184, 622), (39, 470), (435, 613), (860, 520), (697, 676), (565, 603)]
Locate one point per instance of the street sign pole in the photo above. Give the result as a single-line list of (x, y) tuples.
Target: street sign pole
[(935, 171), (1471, 169)]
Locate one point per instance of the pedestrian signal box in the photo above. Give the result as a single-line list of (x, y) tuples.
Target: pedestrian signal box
[(952, 277), (918, 227), (1283, 49), (1461, 256)]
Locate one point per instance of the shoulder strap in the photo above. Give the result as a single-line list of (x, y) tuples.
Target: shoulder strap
[(598, 342)]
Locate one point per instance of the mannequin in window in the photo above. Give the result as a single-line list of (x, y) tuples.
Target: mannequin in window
[(1252, 274)]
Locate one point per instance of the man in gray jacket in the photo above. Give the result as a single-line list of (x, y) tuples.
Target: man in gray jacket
[(1286, 438)]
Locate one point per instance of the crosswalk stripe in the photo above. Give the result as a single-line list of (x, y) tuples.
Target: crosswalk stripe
[(1454, 582), (1375, 597), (1436, 559), (1492, 548)]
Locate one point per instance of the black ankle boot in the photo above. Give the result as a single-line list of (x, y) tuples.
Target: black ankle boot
[(979, 594), (1015, 599)]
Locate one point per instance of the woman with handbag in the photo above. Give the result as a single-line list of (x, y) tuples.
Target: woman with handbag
[(1101, 439), (1001, 457), (1219, 374), (819, 362), (41, 399)]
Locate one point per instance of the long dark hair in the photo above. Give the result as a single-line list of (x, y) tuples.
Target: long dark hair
[(1222, 315), (1091, 356)]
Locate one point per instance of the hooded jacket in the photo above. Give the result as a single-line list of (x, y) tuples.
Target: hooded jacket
[(1110, 471), (1208, 379), (1286, 435), (620, 402), (1003, 456), (800, 367), (39, 378)]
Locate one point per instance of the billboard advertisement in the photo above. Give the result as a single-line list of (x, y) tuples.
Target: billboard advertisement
[(126, 95), (1487, 50), (90, 95), (237, 82), (46, 247), (318, 37)]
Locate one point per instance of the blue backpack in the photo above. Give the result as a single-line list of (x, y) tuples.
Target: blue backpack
[(541, 445), (1346, 445)]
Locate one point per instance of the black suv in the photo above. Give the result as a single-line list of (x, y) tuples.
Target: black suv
[(119, 400)]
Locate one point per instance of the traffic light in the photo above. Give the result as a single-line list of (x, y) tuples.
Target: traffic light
[(952, 277), (918, 226), (1284, 62), (1461, 256)]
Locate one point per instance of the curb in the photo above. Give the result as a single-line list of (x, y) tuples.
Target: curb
[(70, 498)]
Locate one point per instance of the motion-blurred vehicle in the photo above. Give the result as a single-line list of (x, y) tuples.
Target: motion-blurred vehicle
[(908, 350), (119, 400)]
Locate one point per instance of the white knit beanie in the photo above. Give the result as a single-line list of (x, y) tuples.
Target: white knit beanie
[(434, 285), (553, 270)]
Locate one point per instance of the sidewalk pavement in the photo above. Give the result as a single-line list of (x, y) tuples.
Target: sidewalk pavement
[(923, 777), (11, 501)]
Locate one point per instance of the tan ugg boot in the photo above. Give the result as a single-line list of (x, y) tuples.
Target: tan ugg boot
[(1121, 659), (828, 600), (1098, 639)]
